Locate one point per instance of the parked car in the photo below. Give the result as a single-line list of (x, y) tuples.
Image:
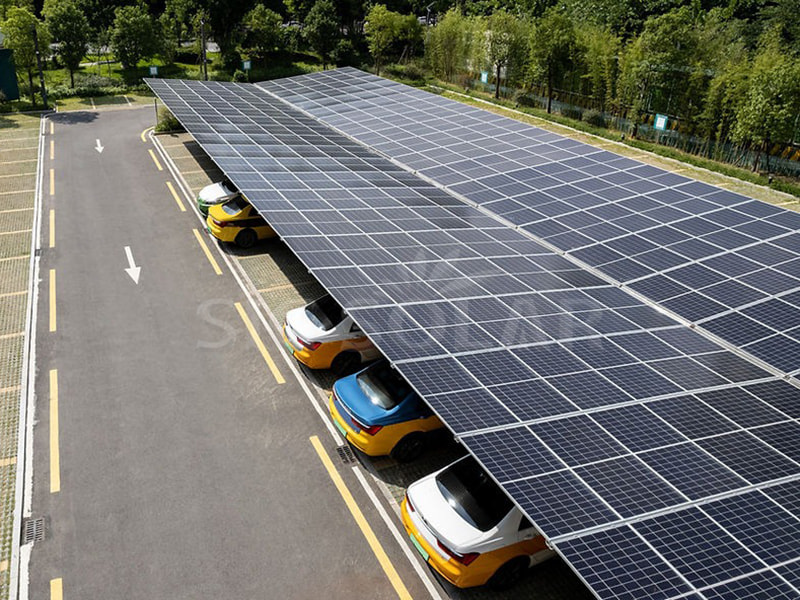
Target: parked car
[(379, 413), (321, 335), (237, 222), (467, 528), (216, 193)]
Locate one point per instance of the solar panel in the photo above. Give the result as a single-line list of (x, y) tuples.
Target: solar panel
[(520, 403), (733, 254)]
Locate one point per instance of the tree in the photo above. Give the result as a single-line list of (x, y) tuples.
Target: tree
[(134, 36), (70, 28), (177, 16), (100, 13), (225, 17), (264, 30), (322, 30), (505, 42), (18, 29), (390, 34), (448, 44), (598, 49), (770, 106)]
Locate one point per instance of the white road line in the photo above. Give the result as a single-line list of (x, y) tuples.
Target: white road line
[(255, 299)]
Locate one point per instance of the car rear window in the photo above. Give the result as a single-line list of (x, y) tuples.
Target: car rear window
[(473, 494), (325, 313), (235, 206), (383, 385)]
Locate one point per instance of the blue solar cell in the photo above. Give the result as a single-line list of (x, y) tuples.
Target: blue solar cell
[(532, 399), (637, 427), (640, 381), (749, 457), (512, 454), (780, 394), (779, 350), (438, 375), (688, 373), (784, 437), (691, 416), (496, 367), (558, 503), (577, 440), (738, 329), (616, 563), (699, 548), (694, 306), (550, 359), (692, 471), (470, 410), (759, 585), (644, 346), (740, 407)]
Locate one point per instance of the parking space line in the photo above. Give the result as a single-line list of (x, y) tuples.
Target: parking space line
[(52, 300), (17, 192), (52, 228), (155, 160), (361, 521), (52, 149), (175, 195), (55, 457), (20, 175), (259, 344), (52, 182), (8, 294), (206, 251), (7, 462)]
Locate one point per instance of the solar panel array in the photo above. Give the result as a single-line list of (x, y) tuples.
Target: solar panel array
[(657, 463), (720, 260)]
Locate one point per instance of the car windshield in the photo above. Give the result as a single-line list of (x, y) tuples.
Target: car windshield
[(325, 313), (473, 494), (383, 385), (235, 206)]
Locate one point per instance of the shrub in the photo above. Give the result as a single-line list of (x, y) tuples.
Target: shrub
[(239, 76), (572, 112), (595, 117), (167, 121)]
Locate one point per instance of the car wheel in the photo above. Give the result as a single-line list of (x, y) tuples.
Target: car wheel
[(509, 574), (345, 363), (409, 448), (246, 238)]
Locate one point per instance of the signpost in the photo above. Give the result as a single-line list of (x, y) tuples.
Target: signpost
[(660, 123), (153, 71)]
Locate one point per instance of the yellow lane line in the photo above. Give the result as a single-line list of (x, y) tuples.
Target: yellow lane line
[(175, 195), (52, 182), (52, 299), (7, 462), (155, 160), (51, 128), (259, 344), (52, 149), (361, 521), (207, 252), (141, 135), (52, 228), (55, 458), (56, 589)]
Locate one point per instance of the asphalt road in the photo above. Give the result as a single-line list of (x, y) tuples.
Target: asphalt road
[(186, 470)]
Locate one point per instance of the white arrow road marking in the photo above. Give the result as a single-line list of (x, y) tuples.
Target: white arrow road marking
[(132, 269), (99, 147)]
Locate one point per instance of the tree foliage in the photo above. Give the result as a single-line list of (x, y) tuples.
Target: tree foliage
[(505, 46), (264, 31), (70, 28), (134, 36), (322, 30), (552, 49), (391, 35), (18, 28)]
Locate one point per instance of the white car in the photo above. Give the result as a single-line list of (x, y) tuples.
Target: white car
[(321, 335), (216, 193), (467, 528)]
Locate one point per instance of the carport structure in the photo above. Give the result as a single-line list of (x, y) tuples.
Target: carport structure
[(659, 461)]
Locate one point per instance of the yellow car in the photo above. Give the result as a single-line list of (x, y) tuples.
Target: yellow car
[(237, 222), (321, 335)]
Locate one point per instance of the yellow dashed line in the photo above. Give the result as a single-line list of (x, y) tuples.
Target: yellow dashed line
[(207, 252), (361, 521), (175, 195), (52, 229), (55, 458), (52, 149), (56, 589), (52, 182), (259, 344), (52, 128), (52, 299), (155, 160), (141, 135)]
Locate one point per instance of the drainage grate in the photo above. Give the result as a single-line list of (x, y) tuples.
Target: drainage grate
[(345, 452), (32, 530)]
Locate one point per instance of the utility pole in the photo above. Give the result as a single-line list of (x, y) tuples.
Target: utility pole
[(39, 64), (203, 49)]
